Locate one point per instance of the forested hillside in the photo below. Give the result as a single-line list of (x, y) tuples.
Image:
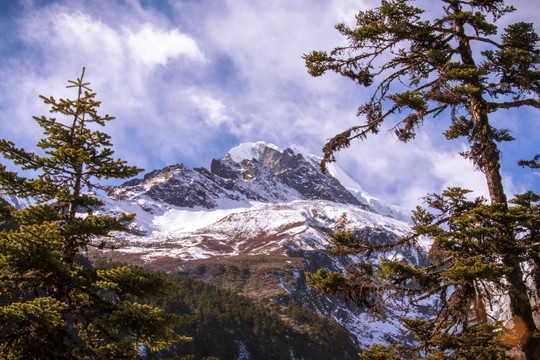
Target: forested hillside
[(230, 326)]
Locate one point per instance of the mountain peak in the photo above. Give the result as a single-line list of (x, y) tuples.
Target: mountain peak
[(249, 151), (290, 161), (252, 172)]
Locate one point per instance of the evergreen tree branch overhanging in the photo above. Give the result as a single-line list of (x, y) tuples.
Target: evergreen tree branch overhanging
[(454, 67), (53, 303)]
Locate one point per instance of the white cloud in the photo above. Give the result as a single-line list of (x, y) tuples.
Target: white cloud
[(78, 31), (404, 173), (153, 46), (188, 82), (213, 110), (131, 63), (453, 170), (65, 36), (265, 42)]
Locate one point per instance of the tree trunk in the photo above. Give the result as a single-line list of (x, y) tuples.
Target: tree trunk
[(521, 309), (485, 155)]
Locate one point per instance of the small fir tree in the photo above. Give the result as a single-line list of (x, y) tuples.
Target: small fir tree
[(53, 303), (451, 65)]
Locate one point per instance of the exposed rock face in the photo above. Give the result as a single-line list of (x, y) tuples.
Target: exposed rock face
[(226, 169), (256, 220), (177, 185), (304, 176), (273, 176)]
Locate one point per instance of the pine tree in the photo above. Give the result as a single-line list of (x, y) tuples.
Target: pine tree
[(53, 303), (455, 66), (462, 278)]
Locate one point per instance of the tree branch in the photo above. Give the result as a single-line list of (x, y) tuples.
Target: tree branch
[(513, 104)]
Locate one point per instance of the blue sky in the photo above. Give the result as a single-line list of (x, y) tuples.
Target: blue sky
[(189, 79)]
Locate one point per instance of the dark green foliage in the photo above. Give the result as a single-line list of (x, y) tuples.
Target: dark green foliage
[(533, 164), (380, 352), (225, 321), (432, 59), (6, 222), (455, 66), (463, 273), (53, 303)]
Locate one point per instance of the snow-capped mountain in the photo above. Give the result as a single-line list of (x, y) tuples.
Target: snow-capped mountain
[(254, 222), (252, 172), (259, 204)]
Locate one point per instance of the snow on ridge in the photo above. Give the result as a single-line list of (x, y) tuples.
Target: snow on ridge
[(268, 217), (342, 177), (253, 150), (18, 203), (177, 221), (249, 151), (380, 206)]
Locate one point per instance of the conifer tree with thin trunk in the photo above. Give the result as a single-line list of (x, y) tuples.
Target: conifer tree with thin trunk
[(53, 303), (453, 66)]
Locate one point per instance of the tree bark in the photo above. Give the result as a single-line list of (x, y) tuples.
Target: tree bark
[(485, 155)]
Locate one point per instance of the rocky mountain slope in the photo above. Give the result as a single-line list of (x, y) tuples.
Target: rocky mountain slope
[(254, 222), (252, 172)]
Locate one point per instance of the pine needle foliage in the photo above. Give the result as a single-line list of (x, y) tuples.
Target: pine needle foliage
[(462, 277), (422, 68), (452, 63), (53, 303)]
